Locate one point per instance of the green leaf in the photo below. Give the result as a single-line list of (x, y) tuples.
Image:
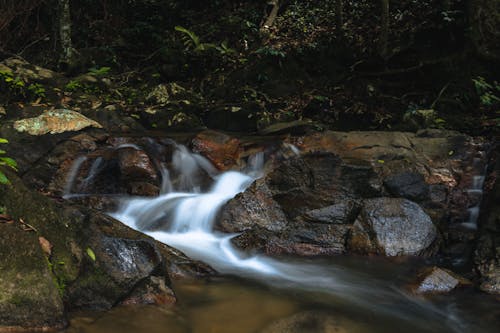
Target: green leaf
[(91, 253), (2, 140), (381, 161), (9, 162), (3, 178)]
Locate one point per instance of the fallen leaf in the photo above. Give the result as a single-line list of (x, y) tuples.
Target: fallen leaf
[(91, 253), (45, 244)]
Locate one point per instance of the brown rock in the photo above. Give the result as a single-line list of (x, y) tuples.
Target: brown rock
[(136, 165), (221, 149)]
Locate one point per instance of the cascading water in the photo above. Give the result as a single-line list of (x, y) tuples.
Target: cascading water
[(476, 193), (184, 220), (183, 217)]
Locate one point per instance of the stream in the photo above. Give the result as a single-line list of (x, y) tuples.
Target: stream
[(255, 292)]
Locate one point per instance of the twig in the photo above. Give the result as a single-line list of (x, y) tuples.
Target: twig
[(440, 94), (27, 226)]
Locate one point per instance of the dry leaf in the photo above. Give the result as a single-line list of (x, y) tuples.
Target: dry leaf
[(45, 245)]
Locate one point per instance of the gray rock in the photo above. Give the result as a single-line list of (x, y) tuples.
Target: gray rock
[(393, 227), (409, 185), (341, 213), (438, 280)]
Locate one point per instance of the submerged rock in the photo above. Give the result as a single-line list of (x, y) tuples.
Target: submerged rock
[(309, 322), (393, 227), (55, 121), (436, 280)]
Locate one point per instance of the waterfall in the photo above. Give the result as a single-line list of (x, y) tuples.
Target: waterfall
[(476, 193), (183, 217), (185, 220)]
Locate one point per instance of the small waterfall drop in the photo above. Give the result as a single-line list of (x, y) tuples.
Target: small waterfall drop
[(475, 192), (184, 220), (72, 174)]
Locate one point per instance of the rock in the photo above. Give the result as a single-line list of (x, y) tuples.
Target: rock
[(29, 295), (341, 213), (55, 121), (152, 291), (162, 94), (221, 149), (436, 280), (487, 252), (28, 72), (297, 127), (308, 322), (407, 185), (135, 164), (393, 227), (95, 260), (254, 207)]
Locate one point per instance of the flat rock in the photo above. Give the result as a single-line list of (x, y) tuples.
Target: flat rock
[(55, 121), (437, 280)]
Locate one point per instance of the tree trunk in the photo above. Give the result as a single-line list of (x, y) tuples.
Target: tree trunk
[(339, 18), (64, 20), (273, 14), (384, 29)]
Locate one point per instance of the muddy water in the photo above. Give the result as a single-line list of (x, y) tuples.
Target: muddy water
[(229, 305)]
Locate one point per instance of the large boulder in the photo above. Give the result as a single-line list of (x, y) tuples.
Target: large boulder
[(392, 227), (370, 192), (29, 294), (57, 253)]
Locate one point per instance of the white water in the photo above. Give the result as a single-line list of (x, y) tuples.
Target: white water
[(185, 220), (476, 189)]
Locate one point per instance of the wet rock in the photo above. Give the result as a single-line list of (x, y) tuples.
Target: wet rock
[(487, 252), (151, 291), (436, 280), (407, 185), (254, 207), (221, 149), (29, 296), (95, 260), (341, 213), (393, 227), (142, 189), (55, 121), (318, 180), (135, 164), (308, 322), (118, 267)]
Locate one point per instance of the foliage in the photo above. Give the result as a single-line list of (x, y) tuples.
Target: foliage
[(99, 71), (486, 91), (17, 88), (5, 162), (192, 41)]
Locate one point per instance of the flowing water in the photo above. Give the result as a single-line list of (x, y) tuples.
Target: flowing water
[(183, 217)]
